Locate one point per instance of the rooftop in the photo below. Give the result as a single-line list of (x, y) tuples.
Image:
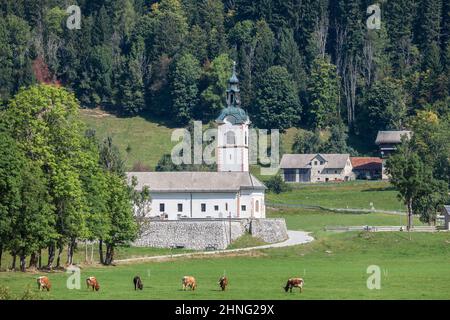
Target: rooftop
[(184, 181), (366, 163), (392, 136)]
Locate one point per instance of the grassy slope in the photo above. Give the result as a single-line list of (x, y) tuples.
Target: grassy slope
[(355, 194), (148, 140)]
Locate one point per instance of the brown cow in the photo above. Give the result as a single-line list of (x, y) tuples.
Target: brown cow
[(138, 283), (223, 282), (294, 283), (92, 282), (44, 283), (189, 282)]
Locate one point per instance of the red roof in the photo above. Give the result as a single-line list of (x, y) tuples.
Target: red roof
[(366, 163)]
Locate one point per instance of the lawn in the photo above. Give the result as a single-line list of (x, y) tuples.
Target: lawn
[(355, 194), (315, 220), (333, 266), (145, 140)]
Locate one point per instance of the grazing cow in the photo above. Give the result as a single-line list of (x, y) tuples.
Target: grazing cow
[(189, 282), (92, 282), (44, 283), (294, 283), (223, 282), (138, 283)]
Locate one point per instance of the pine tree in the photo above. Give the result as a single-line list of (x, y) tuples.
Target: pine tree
[(184, 87)]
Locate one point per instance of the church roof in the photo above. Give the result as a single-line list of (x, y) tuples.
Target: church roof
[(233, 112), (235, 115), (184, 181)]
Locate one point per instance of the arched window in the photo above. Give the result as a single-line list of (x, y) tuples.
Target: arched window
[(245, 137), (230, 137), (257, 206)]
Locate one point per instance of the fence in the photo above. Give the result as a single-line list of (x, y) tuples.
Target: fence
[(380, 228)]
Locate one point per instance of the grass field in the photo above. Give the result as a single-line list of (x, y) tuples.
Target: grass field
[(148, 140), (333, 266), (354, 194)]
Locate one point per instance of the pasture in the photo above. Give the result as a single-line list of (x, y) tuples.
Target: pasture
[(353, 195), (334, 267)]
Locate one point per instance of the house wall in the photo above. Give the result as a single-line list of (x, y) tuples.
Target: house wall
[(227, 202), (319, 173)]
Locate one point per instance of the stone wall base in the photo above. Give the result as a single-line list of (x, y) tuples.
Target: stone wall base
[(201, 234)]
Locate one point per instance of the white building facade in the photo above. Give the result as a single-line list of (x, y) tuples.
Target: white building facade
[(316, 168)]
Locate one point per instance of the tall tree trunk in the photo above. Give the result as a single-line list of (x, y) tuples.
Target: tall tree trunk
[(85, 251), (14, 258), (33, 261), (109, 254), (410, 222), (40, 259), (23, 262), (51, 256), (92, 253), (100, 251), (70, 251), (58, 259)]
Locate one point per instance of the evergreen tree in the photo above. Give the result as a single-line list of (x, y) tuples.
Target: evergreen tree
[(323, 94), (277, 100), (184, 89)]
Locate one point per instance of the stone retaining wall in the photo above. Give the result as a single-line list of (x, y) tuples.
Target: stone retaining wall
[(200, 234)]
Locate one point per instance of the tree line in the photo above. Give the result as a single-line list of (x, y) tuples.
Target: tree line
[(58, 183), (310, 64)]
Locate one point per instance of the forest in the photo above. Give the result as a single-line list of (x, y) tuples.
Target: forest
[(313, 64), (309, 64)]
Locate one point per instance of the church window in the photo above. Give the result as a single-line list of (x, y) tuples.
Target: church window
[(244, 208), (180, 207), (161, 207), (226, 206), (231, 138), (315, 163), (245, 138), (203, 207), (257, 206), (216, 208)]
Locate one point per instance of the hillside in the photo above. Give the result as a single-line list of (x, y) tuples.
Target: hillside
[(146, 141)]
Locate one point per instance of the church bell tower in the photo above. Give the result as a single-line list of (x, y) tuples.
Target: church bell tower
[(233, 135)]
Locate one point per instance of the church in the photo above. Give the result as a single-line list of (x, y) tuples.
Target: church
[(232, 191)]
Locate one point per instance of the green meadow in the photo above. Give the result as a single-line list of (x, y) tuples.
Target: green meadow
[(334, 266)]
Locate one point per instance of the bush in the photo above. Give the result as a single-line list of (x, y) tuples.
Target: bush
[(277, 185)]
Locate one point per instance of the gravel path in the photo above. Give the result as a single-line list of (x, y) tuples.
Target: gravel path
[(295, 238)]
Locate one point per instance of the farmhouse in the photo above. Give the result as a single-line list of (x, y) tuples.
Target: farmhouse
[(387, 141), (316, 167), (231, 192), (367, 167)]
